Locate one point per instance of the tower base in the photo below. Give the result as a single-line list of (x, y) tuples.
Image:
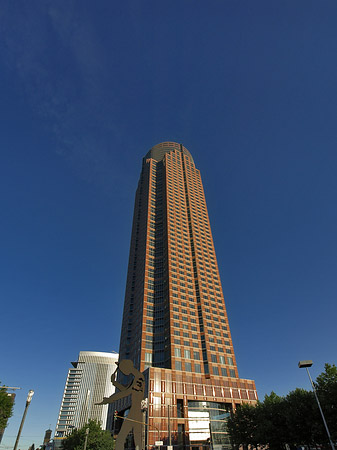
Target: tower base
[(188, 410)]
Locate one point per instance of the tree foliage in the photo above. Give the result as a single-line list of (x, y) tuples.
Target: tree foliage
[(6, 408), (326, 387), (294, 419), (242, 425), (98, 439)]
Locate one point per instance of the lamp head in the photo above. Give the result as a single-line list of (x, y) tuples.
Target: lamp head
[(306, 363), (30, 395)]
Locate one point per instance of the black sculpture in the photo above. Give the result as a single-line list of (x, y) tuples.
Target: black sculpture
[(136, 389)]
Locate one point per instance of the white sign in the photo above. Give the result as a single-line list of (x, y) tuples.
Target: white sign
[(159, 443), (199, 425)]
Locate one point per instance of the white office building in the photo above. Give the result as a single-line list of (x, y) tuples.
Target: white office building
[(88, 381)]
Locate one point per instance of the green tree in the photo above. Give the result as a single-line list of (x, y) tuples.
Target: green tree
[(271, 424), (294, 419), (302, 418), (326, 388), (242, 426), (263, 424), (6, 408), (98, 439)]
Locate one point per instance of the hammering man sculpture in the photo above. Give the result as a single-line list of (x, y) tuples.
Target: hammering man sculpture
[(136, 390)]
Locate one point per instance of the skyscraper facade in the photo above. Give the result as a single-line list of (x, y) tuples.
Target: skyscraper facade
[(88, 381), (175, 326)]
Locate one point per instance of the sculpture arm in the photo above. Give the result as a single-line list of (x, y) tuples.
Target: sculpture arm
[(114, 397)]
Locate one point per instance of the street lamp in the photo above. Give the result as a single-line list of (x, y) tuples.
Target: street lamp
[(29, 399), (86, 438), (306, 364)]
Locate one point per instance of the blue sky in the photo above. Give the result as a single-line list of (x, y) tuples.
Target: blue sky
[(86, 89)]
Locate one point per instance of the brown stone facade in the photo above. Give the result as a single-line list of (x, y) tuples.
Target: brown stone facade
[(174, 390)]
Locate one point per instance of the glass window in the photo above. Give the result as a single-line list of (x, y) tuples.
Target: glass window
[(188, 367), (224, 372), (187, 354), (178, 365), (177, 352), (180, 408), (148, 357)]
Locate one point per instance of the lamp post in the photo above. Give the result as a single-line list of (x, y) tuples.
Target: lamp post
[(29, 399), (306, 364), (86, 438)]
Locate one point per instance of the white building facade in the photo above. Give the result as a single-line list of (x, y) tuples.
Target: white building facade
[(88, 381)]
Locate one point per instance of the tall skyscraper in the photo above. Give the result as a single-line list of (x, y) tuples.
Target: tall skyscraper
[(174, 321), (88, 381)]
